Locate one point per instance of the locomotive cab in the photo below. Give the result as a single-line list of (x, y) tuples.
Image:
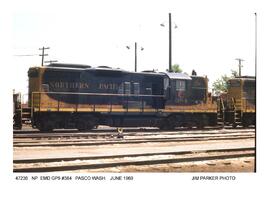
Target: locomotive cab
[(199, 89), (186, 90), (177, 90)]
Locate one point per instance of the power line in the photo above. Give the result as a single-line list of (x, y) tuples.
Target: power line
[(25, 55), (51, 61)]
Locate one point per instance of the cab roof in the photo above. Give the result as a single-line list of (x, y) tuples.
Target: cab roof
[(181, 76), (245, 78)]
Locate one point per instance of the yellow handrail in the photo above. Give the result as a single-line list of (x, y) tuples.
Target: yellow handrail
[(38, 102)]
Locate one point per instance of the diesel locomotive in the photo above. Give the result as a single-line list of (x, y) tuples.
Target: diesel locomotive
[(240, 101), (83, 97)]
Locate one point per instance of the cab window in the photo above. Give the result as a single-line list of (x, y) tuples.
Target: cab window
[(234, 83), (136, 88), (121, 89), (127, 87), (45, 87), (180, 85)]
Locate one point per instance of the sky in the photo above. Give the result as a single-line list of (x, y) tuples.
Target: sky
[(209, 36)]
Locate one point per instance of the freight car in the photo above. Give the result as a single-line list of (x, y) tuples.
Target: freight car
[(83, 97), (240, 101), (17, 111)]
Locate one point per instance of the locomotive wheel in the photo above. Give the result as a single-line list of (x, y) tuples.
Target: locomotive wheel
[(245, 124), (166, 128), (92, 123), (45, 126), (86, 123), (81, 125), (199, 125), (202, 121), (90, 126), (166, 125)]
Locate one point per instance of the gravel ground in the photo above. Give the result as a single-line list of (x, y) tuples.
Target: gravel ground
[(245, 164)]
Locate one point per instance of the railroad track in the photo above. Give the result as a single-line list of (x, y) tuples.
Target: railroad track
[(126, 133), (106, 131), (129, 140), (97, 162), (94, 152)]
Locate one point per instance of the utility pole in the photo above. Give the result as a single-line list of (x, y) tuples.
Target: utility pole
[(42, 59), (135, 56), (239, 65), (255, 42), (255, 165), (170, 42), (135, 48)]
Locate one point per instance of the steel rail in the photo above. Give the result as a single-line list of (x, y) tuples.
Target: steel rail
[(243, 152), (129, 141), (37, 134)]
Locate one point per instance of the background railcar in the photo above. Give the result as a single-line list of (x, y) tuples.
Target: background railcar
[(17, 111), (240, 102)]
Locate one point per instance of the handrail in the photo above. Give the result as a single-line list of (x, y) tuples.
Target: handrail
[(100, 94), (32, 102), (242, 104), (140, 97), (222, 104), (233, 103), (247, 104)]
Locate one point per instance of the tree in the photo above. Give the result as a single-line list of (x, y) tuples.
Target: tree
[(175, 69), (234, 73), (220, 85)]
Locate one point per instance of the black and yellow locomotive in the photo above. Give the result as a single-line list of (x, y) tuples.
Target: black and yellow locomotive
[(83, 97), (240, 102)]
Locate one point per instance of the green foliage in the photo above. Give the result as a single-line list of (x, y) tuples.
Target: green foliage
[(234, 73), (175, 69), (220, 85)]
